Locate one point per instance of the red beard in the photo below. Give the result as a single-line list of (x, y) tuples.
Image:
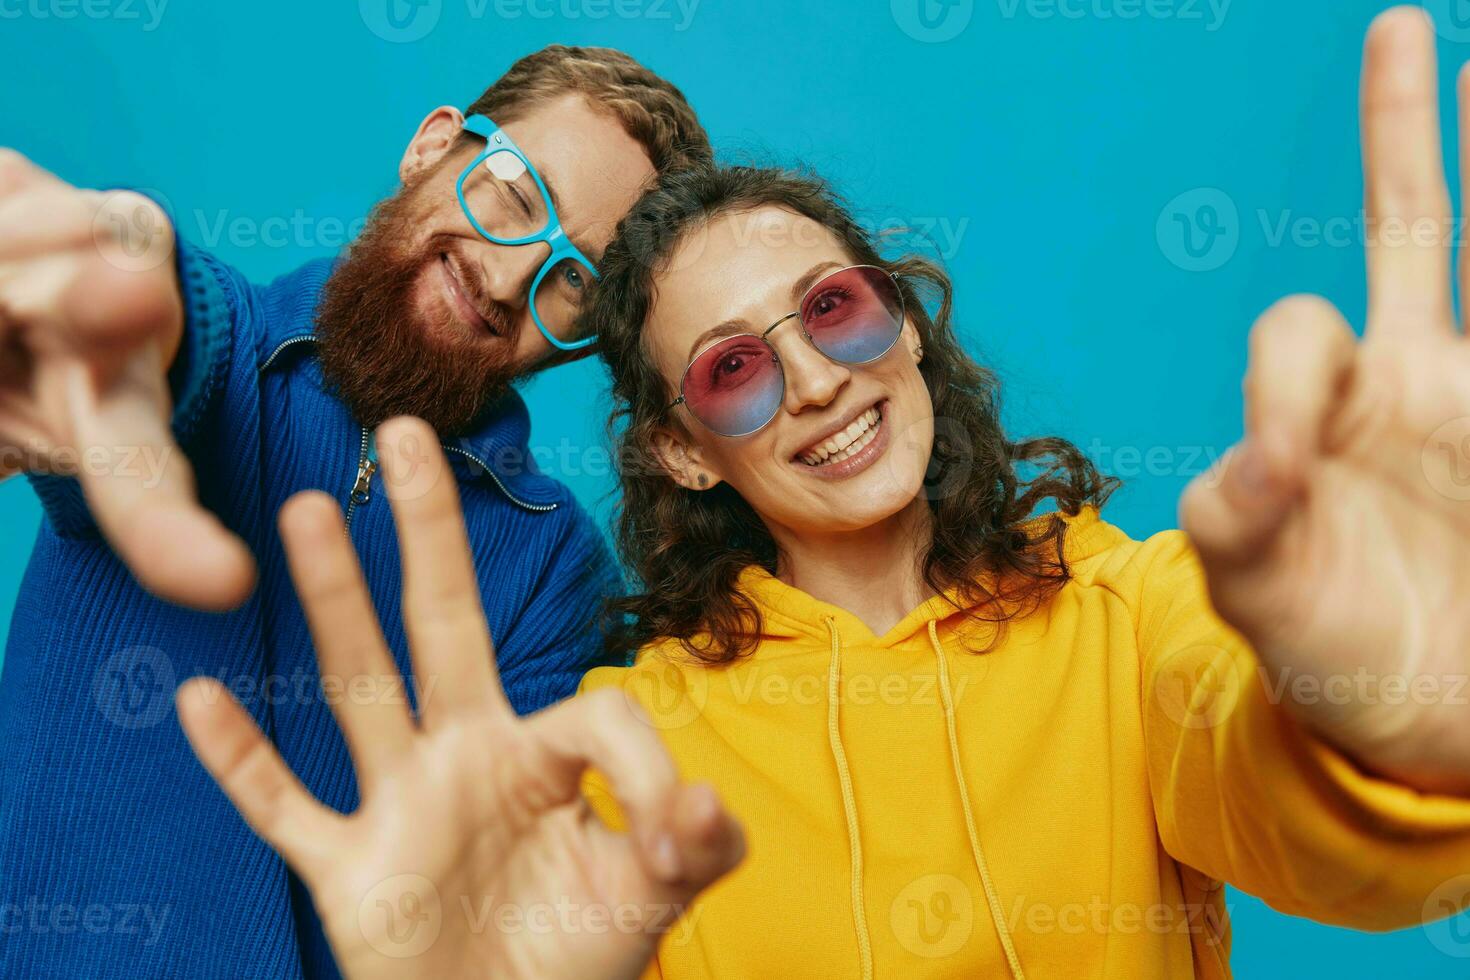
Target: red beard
[(378, 352)]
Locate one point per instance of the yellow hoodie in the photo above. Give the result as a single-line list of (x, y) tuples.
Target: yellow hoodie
[(1065, 805)]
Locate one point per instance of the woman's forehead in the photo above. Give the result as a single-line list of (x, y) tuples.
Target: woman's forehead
[(769, 234), (739, 265)]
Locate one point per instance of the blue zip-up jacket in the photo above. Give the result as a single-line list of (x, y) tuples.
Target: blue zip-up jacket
[(118, 855)]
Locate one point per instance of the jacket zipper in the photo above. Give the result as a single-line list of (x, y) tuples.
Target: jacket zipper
[(289, 341), (367, 457), (536, 508), (367, 466), (362, 486)]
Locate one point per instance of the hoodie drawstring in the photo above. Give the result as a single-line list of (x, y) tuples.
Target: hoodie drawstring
[(849, 803), (997, 914)]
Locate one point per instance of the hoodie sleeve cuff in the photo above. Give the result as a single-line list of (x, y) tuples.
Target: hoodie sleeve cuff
[(1394, 809)]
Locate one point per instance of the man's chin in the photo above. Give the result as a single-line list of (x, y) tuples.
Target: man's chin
[(387, 355)]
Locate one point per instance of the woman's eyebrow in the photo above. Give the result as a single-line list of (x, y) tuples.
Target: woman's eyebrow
[(726, 329), (799, 288), (737, 325)]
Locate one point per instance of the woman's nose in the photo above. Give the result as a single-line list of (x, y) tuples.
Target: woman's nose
[(812, 378)]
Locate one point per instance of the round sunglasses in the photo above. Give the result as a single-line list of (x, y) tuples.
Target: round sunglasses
[(735, 386)]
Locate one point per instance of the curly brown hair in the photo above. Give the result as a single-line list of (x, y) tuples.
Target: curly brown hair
[(687, 548), (651, 109)]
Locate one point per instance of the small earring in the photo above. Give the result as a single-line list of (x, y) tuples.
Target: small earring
[(703, 481), (919, 352)]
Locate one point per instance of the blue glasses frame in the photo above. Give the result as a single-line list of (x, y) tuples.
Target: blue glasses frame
[(497, 141)]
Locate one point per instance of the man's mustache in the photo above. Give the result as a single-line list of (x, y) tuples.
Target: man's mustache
[(498, 315)]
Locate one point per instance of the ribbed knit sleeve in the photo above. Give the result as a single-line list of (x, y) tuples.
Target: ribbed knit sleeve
[(195, 380), (557, 640), (203, 361)]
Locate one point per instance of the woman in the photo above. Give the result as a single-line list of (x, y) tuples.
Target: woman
[(965, 744), (961, 740)]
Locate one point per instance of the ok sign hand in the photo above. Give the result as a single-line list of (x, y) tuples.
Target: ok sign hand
[(467, 811)]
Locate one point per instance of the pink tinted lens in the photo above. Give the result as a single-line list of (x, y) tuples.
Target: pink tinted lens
[(854, 315), (735, 387)]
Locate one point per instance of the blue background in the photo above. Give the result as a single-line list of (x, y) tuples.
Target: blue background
[(1045, 147)]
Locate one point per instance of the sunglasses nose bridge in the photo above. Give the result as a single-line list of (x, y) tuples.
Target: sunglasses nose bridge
[(766, 335)]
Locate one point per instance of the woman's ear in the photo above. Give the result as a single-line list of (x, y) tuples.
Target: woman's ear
[(909, 338), (682, 460), (436, 134)]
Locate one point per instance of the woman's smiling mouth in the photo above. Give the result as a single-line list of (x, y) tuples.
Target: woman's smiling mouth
[(851, 449)]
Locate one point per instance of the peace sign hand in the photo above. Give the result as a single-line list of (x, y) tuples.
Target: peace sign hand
[(1337, 538)]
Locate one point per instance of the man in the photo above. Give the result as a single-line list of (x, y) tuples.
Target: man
[(125, 357)]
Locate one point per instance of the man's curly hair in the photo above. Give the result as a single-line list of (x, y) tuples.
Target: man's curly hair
[(651, 109)]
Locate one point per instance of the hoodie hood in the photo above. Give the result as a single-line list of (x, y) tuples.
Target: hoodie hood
[(789, 613)]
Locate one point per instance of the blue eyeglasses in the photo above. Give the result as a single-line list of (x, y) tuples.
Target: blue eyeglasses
[(507, 203)]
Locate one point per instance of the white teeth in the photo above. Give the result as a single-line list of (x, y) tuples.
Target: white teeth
[(847, 443)]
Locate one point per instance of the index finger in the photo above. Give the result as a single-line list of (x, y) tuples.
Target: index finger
[(141, 491), (453, 656), (1408, 204)]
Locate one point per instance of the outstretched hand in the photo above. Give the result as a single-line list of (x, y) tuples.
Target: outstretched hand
[(471, 818), (90, 320), (1337, 536)]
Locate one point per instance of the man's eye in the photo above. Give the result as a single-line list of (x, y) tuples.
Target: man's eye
[(572, 276), (520, 200)]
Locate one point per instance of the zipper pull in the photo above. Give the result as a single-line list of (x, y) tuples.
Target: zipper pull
[(362, 487)]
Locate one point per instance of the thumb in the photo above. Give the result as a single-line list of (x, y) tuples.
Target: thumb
[(1301, 354), (702, 842), (1234, 511)]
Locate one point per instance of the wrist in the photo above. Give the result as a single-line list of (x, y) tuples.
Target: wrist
[(1422, 747)]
